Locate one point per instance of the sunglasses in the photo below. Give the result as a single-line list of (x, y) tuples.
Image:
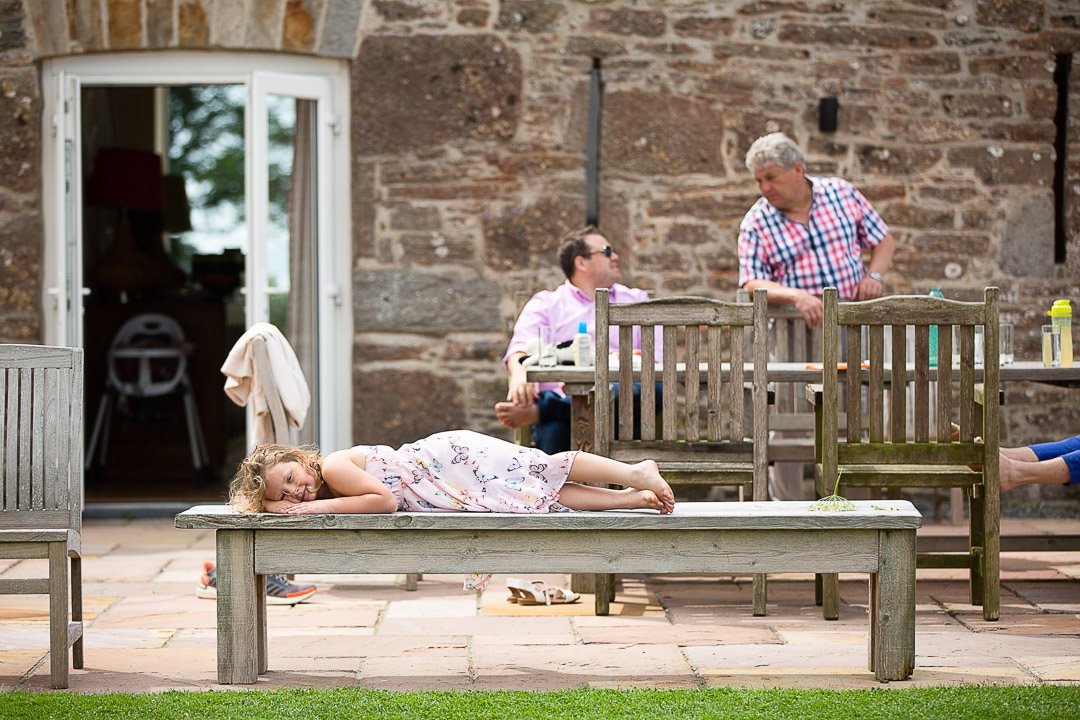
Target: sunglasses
[(607, 251)]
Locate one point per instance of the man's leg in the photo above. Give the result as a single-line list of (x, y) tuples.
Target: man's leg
[(1064, 470), (551, 433), (637, 404)]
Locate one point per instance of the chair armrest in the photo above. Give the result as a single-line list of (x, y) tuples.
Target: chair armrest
[(813, 393)]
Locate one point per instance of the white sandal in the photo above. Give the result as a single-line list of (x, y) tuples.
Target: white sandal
[(539, 593)]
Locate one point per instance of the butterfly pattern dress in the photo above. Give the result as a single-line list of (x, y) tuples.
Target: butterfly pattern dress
[(467, 471)]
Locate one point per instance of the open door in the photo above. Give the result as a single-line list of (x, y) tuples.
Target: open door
[(287, 123), (112, 258), (63, 170)]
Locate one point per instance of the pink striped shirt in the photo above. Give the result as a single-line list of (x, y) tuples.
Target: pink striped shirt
[(563, 309)]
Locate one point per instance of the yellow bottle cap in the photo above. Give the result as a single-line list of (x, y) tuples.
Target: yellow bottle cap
[(1060, 308)]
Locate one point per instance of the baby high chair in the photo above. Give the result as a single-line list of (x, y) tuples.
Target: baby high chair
[(148, 359)]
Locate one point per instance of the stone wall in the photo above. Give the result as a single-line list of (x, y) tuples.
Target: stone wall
[(469, 126)]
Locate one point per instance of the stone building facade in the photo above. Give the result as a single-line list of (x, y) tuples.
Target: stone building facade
[(469, 122)]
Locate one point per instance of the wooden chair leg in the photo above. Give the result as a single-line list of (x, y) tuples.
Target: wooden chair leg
[(760, 594), (58, 614), (77, 611), (991, 559), (976, 539)]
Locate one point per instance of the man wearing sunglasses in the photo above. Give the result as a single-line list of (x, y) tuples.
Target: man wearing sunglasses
[(589, 261)]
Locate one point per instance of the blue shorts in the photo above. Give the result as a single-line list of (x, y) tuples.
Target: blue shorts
[(1068, 448)]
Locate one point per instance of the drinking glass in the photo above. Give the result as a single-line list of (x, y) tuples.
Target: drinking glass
[(1005, 331), (1051, 345)]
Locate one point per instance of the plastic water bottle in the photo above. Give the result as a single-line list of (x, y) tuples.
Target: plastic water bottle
[(1061, 316), (582, 347), (934, 292)]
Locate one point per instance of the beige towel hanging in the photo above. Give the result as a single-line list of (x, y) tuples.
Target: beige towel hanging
[(243, 381)]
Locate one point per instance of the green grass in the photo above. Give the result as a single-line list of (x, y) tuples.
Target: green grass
[(954, 703)]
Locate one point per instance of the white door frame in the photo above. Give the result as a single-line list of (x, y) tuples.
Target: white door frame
[(62, 79)]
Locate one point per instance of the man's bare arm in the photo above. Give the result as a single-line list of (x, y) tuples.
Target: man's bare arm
[(810, 306)]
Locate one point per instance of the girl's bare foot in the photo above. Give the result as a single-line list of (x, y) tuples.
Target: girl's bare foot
[(646, 499), (647, 477)]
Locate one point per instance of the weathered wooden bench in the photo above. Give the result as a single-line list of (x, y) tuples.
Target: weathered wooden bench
[(771, 537)]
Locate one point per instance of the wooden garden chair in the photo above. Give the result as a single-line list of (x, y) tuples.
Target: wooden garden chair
[(885, 457), (703, 437), (41, 456)]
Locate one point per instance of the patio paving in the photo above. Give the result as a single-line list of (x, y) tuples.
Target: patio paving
[(147, 632)]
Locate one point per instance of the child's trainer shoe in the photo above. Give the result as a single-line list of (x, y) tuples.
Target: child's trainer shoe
[(279, 591)]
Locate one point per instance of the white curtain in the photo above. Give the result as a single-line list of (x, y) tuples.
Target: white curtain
[(301, 320)]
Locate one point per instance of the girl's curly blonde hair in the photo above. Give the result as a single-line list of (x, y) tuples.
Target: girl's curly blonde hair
[(248, 488)]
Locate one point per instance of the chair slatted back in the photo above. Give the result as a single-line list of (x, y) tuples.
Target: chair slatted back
[(696, 428), (41, 406), (886, 440)]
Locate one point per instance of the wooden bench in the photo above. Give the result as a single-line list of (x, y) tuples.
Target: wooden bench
[(41, 481), (758, 537)]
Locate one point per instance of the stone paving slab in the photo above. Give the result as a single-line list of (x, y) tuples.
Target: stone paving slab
[(1053, 668), (553, 668), (147, 632), (676, 635)]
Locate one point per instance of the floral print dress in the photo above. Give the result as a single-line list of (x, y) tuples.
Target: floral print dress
[(467, 471)]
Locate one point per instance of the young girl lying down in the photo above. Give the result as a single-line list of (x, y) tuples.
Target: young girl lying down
[(452, 471)]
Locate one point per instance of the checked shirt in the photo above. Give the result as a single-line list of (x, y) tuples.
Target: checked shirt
[(825, 252)]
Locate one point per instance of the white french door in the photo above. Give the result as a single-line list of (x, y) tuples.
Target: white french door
[(296, 267)]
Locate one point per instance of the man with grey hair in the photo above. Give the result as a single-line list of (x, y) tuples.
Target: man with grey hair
[(803, 235), (807, 233)]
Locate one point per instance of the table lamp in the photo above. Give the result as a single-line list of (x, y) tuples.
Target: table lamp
[(131, 181)]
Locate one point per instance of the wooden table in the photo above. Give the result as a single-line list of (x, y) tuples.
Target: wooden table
[(578, 384), (774, 537)]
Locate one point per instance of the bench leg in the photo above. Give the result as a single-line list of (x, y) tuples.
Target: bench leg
[(238, 613), (260, 622), (605, 591), (58, 614), (892, 617), (76, 610), (760, 595), (830, 596)]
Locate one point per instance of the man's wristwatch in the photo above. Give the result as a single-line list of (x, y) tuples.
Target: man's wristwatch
[(877, 276)]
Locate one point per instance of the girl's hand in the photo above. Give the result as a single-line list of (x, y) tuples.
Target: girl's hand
[(304, 508), (277, 506)]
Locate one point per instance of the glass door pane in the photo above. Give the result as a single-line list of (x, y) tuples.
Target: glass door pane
[(291, 250), (285, 202)]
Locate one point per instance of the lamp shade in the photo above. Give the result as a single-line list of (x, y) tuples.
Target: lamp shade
[(177, 208), (127, 178)]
